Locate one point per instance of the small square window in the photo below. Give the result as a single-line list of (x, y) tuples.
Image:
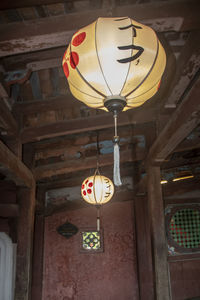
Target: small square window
[(91, 241)]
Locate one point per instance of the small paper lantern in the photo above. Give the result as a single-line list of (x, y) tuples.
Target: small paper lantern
[(114, 64), (97, 190)]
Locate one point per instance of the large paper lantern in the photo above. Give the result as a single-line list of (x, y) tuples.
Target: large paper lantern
[(97, 189), (114, 63)]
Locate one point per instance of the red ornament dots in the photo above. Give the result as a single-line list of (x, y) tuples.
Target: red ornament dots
[(77, 40)]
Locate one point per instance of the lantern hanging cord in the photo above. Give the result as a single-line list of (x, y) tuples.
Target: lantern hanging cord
[(98, 151), (98, 217), (116, 170)]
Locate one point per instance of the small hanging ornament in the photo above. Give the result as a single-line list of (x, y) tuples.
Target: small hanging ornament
[(114, 64), (97, 190)]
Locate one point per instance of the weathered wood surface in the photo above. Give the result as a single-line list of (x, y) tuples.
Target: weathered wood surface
[(79, 125), (9, 4), (182, 122), (68, 166), (179, 188), (157, 225), (25, 243), (187, 65), (7, 120), (144, 255), (11, 165), (38, 106), (33, 60), (56, 31), (37, 269)]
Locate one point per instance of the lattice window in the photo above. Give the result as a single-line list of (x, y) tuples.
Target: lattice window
[(91, 241), (183, 229)]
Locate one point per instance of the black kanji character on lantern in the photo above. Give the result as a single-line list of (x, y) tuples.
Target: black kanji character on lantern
[(140, 49)]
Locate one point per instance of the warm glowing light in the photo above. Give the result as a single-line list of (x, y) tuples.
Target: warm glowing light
[(97, 189), (114, 58), (183, 178), (163, 181)]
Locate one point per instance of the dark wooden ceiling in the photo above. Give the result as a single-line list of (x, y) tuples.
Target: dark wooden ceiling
[(54, 135)]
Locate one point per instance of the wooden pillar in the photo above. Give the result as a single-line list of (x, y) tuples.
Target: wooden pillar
[(144, 257), (26, 198), (37, 271), (158, 237)]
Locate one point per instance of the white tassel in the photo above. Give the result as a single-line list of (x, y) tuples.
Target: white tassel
[(116, 170)]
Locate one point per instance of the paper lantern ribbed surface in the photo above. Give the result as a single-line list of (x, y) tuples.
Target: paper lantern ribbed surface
[(114, 58), (97, 189)]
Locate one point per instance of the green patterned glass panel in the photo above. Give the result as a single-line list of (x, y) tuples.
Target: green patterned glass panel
[(184, 227), (91, 240)]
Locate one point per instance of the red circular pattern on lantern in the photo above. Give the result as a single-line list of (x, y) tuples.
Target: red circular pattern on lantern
[(158, 85), (90, 184), (78, 39), (83, 186), (89, 191), (66, 69), (84, 193), (74, 59)]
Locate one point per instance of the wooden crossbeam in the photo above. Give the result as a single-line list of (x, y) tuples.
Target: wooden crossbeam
[(181, 187), (7, 121), (187, 65), (38, 106), (86, 124), (33, 60), (65, 167), (183, 121), (56, 31), (9, 4), (12, 166)]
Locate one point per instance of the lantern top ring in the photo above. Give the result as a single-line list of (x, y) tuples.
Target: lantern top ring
[(115, 103)]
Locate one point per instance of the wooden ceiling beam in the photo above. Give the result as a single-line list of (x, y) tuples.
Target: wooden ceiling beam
[(56, 31), (187, 65), (181, 187), (50, 104), (9, 4), (48, 171), (33, 59), (7, 121), (13, 167), (182, 122), (86, 124)]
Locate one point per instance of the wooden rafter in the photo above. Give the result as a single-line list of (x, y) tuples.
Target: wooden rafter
[(7, 121), (33, 59), (69, 166), (188, 64), (11, 165), (37, 106), (56, 31), (24, 3), (86, 124), (182, 122)]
